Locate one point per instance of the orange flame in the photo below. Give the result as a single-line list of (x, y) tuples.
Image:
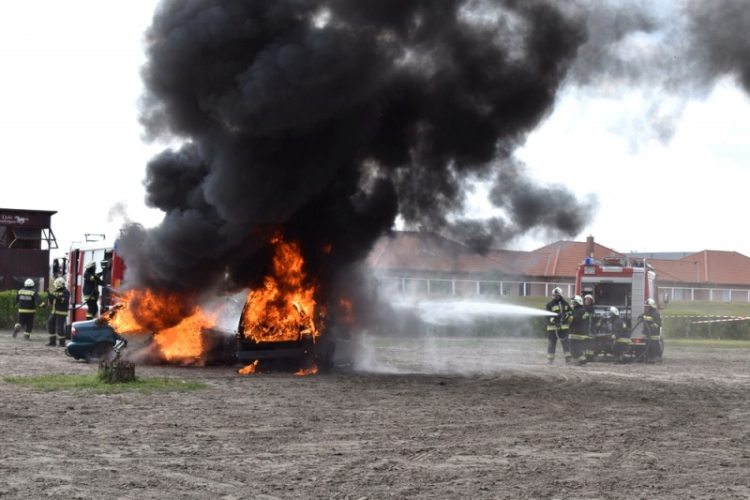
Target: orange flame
[(249, 368), (347, 313), (184, 341), (175, 323), (307, 371), (283, 309)]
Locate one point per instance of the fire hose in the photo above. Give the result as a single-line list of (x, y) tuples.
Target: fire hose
[(649, 341)]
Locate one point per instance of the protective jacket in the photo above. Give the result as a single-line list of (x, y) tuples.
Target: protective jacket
[(579, 323), (60, 301), (589, 318), (27, 300), (652, 322), (91, 283), (563, 313), (620, 328)]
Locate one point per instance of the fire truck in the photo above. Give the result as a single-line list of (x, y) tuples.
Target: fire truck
[(626, 284), (111, 266)]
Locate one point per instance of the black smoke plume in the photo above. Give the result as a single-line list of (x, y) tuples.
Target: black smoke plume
[(328, 118)]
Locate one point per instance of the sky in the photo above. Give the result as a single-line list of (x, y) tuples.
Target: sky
[(71, 84)]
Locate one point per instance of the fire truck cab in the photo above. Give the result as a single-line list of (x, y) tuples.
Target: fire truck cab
[(623, 283), (108, 263)]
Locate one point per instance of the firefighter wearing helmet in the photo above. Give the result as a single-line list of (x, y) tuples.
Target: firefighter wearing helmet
[(620, 334), (590, 327), (59, 299), (578, 331), (91, 283), (27, 300), (652, 330), (558, 326)]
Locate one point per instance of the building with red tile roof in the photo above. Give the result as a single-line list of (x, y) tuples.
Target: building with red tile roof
[(427, 262), (566, 256)]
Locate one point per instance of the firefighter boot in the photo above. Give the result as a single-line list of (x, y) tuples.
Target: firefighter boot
[(568, 358), (61, 341), (16, 330), (27, 336), (52, 339)]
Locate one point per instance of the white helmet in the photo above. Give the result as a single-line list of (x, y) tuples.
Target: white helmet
[(613, 311), (557, 291), (650, 303), (90, 264), (59, 283), (589, 296), (578, 300), (28, 282)]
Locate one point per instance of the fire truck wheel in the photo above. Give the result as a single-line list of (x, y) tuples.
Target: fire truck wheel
[(100, 350)]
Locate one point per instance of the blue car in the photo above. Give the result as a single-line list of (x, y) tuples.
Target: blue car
[(91, 340)]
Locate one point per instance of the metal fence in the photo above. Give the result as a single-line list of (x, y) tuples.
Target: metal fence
[(468, 288)]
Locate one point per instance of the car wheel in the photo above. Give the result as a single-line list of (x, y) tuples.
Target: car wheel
[(101, 350)]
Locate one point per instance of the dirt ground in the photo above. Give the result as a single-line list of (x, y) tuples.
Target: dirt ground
[(444, 419)]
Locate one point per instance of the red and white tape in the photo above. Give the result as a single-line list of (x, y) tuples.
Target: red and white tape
[(708, 316), (738, 318)]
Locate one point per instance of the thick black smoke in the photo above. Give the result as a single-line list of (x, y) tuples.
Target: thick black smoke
[(331, 117)]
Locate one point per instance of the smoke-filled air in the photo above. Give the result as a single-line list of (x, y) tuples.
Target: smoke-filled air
[(321, 121)]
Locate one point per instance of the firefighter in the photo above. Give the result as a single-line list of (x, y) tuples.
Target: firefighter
[(59, 299), (27, 300), (652, 330), (589, 317), (558, 326), (620, 334), (91, 283), (56, 268), (578, 331)]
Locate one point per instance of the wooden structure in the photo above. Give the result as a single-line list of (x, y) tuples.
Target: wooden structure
[(26, 239)]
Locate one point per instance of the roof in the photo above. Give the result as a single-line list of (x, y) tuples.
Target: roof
[(659, 255), (28, 210), (530, 263), (675, 270), (721, 267), (423, 251), (566, 256)]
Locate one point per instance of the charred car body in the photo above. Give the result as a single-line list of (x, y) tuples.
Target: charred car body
[(94, 339)]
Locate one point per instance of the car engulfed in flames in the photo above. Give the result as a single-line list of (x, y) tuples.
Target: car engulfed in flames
[(280, 326)]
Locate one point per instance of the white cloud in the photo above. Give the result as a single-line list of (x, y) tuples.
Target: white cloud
[(685, 195), (70, 139)]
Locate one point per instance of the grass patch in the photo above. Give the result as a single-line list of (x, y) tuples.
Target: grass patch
[(708, 343), (92, 383)]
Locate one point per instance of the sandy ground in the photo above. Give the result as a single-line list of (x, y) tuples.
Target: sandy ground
[(413, 427)]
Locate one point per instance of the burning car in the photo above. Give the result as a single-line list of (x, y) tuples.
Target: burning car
[(280, 323), (91, 339)]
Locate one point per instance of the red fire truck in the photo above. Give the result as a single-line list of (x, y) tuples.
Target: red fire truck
[(620, 282), (111, 266)]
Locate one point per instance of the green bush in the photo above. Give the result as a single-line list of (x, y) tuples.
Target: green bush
[(9, 312)]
